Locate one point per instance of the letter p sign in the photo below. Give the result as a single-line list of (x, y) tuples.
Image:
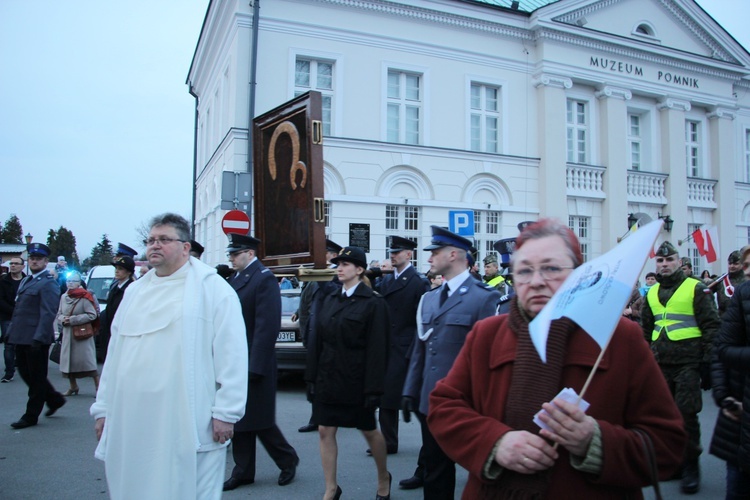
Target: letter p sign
[(461, 222)]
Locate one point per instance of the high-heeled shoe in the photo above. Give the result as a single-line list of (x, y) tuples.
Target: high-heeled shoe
[(338, 493), (71, 392), (388, 496)]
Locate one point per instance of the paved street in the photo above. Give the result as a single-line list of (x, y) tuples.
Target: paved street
[(55, 459)]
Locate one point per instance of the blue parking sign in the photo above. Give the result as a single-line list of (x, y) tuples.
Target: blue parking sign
[(461, 222)]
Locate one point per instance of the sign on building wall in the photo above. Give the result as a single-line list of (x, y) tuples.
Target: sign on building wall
[(288, 184), (461, 222), (359, 236)]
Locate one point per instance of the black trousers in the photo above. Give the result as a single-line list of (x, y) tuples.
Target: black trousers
[(388, 420), (243, 451), (439, 469), (31, 363)]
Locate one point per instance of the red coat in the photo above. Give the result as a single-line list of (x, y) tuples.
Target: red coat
[(628, 390)]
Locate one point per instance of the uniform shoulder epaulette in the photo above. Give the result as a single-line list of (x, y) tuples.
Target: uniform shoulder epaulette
[(505, 298), (376, 293), (266, 270)]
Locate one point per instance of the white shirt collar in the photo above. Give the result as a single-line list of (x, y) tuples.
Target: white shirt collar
[(350, 291), (456, 281), (396, 274)]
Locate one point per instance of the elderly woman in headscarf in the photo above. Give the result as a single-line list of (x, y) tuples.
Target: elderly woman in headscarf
[(482, 413), (77, 357)]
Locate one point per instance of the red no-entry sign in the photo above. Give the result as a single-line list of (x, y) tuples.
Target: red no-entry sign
[(235, 221)]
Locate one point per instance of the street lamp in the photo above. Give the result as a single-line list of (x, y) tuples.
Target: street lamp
[(28, 238), (668, 221)]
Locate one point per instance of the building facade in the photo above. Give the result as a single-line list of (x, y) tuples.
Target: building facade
[(583, 110)]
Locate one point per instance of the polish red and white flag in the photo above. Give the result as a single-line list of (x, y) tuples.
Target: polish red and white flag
[(707, 240)]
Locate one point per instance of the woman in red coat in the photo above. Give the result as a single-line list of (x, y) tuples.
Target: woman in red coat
[(482, 413)]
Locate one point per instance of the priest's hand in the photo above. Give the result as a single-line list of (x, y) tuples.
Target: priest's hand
[(99, 428), (569, 426), (524, 452), (223, 431)]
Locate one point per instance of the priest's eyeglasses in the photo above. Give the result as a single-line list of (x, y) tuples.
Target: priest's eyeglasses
[(548, 272), (161, 241)]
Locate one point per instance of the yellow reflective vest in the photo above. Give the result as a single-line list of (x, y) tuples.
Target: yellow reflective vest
[(677, 318), (494, 282)]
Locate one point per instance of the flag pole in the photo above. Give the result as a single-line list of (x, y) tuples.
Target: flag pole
[(687, 238)]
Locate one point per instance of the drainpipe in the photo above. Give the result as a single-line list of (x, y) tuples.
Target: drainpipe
[(195, 160), (251, 110)]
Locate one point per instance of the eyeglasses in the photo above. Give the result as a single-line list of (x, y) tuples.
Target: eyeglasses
[(548, 273), (161, 241), (16, 263)]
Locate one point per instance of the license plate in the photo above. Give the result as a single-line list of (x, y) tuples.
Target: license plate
[(285, 337)]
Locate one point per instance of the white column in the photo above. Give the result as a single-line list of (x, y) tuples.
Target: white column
[(613, 114), (552, 145), (723, 168), (673, 160)]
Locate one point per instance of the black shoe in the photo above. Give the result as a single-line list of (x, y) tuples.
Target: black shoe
[(54, 407), (338, 493), (308, 428), (414, 482), (6, 379), (287, 475), (22, 424), (691, 478), (388, 496), (233, 483)]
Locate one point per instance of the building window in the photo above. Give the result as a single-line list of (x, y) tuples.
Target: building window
[(581, 226), (485, 118), (312, 74), (486, 232), (404, 107), (693, 147), (577, 128), (406, 217), (692, 250), (327, 218), (634, 140), (747, 155)]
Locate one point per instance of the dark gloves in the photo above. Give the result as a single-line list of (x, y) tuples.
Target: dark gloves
[(310, 391), (407, 407), (372, 401), (255, 377), (374, 272), (705, 369)]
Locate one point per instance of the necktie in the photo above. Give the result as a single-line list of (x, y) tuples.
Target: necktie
[(443, 295)]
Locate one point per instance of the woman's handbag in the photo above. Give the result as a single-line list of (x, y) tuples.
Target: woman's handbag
[(54, 354), (82, 332), (648, 450)]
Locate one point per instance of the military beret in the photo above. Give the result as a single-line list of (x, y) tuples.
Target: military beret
[(734, 257), (490, 259)]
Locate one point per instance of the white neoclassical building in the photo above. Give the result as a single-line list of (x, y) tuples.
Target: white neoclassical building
[(584, 110)]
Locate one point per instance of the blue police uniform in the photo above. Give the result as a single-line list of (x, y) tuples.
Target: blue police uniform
[(32, 332)]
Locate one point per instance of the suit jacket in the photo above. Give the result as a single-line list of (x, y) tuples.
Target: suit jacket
[(348, 358), (260, 298), (450, 323), (35, 311), (402, 296)]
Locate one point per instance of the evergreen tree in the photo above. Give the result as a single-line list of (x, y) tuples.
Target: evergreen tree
[(63, 242), (101, 255), (12, 232)]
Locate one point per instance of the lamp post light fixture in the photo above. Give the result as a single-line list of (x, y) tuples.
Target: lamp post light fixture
[(668, 222), (28, 238), (632, 219)]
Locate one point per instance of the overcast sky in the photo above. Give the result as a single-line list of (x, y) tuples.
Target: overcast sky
[(96, 123)]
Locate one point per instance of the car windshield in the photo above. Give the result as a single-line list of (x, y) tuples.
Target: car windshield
[(100, 287), (289, 304)]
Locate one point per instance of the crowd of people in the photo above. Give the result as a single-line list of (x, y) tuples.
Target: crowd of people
[(189, 366)]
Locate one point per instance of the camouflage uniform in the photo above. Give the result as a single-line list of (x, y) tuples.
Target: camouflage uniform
[(680, 361)]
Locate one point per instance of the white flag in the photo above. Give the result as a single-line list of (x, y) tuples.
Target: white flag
[(595, 294)]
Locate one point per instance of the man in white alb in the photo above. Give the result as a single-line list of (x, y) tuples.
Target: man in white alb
[(175, 380)]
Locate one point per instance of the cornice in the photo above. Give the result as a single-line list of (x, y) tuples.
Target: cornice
[(696, 29), (613, 92), (719, 112), (673, 104), (637, 54), (550, 80), (432, 16)]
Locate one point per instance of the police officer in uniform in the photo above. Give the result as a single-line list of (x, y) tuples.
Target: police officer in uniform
[(260, 298), (444, 318), (402, 291), (32, 332), (680, 321), (196, 249)]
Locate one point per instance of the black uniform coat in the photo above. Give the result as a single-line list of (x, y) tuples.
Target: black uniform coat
[(260, 298), (8, 291), (402, 296), (348, 358), (36, 308), (114, 297)]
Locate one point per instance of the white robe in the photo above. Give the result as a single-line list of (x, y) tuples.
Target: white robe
[(156, 416)]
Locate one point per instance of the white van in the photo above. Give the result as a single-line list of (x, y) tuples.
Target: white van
[(98, 281)]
